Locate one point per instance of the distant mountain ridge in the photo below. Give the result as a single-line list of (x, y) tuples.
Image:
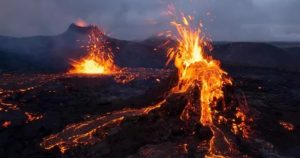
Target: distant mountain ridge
[(258, 55), (52, 54)]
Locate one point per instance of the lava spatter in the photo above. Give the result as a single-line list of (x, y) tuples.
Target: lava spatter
[(99, 58)]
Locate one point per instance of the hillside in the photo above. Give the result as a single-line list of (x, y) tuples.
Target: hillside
[(52, 54)]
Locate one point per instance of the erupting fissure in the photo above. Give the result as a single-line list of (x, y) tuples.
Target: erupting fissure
[(99, 59), (196, 69)]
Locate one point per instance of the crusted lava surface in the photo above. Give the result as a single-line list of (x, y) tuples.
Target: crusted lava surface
[(35, 107)]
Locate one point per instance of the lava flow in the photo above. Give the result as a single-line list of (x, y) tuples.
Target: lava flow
[(201, 82), (99, 59), (83, 133)]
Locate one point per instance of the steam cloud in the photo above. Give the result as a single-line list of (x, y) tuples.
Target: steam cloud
[(234, 20)]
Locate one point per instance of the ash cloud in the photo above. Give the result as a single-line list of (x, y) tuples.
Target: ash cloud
[(229, 20)]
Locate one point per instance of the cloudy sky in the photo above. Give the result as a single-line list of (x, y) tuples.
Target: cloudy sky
[(233, 20)]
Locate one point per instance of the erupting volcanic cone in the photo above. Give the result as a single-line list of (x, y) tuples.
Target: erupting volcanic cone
[(99, 59)]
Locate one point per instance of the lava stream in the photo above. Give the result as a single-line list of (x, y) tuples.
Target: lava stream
[(83, 133)]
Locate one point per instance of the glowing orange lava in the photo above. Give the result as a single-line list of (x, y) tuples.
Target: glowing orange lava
[(83, 133), (81, 23), (99, 59), (32, 117), (6, 124), (196, 69), (288, 126)]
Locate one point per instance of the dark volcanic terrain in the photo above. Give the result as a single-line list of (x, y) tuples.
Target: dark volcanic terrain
[(55, 101), (37, 99)]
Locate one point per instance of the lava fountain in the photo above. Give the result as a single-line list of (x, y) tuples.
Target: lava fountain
[(99, 59), (196, 69)]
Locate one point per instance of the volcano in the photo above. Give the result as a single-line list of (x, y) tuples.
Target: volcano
[(53, 53), (196, 106)]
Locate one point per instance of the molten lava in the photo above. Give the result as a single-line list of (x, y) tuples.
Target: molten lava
[(32, 117), (88, 66), (84, 133), (197, 70), (99, 59), (201, 81), (6, 124), (288, 126)]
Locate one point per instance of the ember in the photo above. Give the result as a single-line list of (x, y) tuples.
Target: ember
[(288, 126), (32, 117), (6, 124)]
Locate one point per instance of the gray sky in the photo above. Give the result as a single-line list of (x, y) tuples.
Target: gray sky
[(237, 20)]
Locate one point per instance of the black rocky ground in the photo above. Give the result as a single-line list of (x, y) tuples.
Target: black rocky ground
[(64, 99), (275, 95)]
